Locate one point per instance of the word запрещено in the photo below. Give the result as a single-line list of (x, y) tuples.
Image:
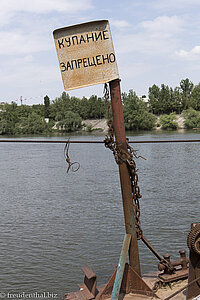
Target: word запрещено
[(87, 62)]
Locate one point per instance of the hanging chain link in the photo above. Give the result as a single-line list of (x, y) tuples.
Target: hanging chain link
[(135, 188), (120, 156)]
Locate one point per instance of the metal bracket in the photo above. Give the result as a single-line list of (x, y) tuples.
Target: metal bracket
[(88, 289), (194, 263), (90, 282)]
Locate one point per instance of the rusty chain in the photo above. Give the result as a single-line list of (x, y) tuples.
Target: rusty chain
[(125, 156), (135, 187)]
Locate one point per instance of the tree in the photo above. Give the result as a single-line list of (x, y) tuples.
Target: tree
[(9, 119), (96, 107), (176, 100), (38, 109), (84, 111), (70, 122), (168, 121), (186, 89), (33, 124), (154, 100), (195, 97), (46, 106), (136, 113), (165, 99), (192, 118)]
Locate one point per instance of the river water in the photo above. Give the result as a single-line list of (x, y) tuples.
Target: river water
[(52, 223)]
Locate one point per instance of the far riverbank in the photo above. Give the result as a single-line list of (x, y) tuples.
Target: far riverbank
[(101, 124)]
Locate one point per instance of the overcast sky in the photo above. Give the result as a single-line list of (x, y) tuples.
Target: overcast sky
[(155, 41)]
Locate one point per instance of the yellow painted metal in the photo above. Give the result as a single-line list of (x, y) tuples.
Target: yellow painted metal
[(86, 54)]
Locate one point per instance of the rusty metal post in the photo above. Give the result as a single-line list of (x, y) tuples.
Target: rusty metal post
[(126, 189)]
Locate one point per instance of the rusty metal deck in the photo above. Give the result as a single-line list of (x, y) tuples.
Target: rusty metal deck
[(150, 279), (162, 293)]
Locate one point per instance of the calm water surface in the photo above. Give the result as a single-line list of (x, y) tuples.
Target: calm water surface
[(52, 223)]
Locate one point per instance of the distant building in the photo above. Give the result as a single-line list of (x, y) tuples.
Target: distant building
[(145, 99)]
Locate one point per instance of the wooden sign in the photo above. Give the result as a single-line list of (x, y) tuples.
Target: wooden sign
[(86, 54)]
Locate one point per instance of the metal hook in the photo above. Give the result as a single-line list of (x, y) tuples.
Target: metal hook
[(73, 166)]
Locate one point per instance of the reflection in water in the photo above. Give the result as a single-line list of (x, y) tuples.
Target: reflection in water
[(52, 223)]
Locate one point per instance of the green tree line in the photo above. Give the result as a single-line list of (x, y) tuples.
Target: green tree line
[(165, 100), (65, 113)]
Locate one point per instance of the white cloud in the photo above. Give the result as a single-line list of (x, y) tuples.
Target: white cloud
[(5, 17), (25, 27), (163, 25), (120, 23), (10, 8), (38, 6), (146, 38), (172, 4), (158, 36), (28, 78), (14, 43), (28, 58), (193, 54)]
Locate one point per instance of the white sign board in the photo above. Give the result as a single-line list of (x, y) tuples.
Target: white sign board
[(86, 54)]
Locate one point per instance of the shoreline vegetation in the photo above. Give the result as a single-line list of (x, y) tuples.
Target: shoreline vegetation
[(100, 125), (164, 109)]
